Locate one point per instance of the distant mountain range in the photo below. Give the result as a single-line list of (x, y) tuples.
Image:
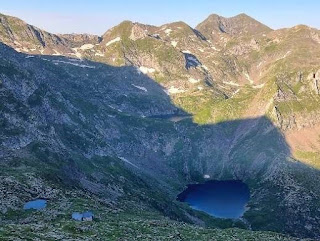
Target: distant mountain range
[(86, 124)]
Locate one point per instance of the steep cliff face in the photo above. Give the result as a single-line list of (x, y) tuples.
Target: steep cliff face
[(32, 40), (27, 38)]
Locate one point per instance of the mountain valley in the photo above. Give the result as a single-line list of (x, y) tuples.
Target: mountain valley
[(84, 125)]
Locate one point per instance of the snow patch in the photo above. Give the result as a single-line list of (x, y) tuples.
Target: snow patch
[(76, 53), (200, 88), (74, 64), (284, 56), (146, 70), (258, 86), (174, 90), (75, 60), (166, 91), (174, 43), (56, 53), (214, 48), (206, 176), (205, 67), (127, 161), (248, 77), (99, 54), (86, 46), (24, 49), (186, 52), (231, 83), (117, 39), (236, 92), (260, 64), (17, 43), (140, 87), (193, 81), (168, 31)]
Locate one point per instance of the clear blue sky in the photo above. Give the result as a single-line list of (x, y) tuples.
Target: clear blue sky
[(96, 16)]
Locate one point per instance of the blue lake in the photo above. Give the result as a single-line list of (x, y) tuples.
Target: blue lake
[(222, 199), (36, 204)]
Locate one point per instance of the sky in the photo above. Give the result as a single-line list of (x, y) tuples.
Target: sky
[(97, 16)]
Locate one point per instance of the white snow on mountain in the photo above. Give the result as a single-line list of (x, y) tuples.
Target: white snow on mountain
[(174, 43), (86, 46), (140, 87), (168, 31), (193, 81), (174, 90), (146, 70), (117, 39)]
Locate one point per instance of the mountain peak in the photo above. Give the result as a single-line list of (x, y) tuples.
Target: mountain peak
[(179, 26), (14, 31), (237, 25), (128, 29), (242, 15), (214, 15)]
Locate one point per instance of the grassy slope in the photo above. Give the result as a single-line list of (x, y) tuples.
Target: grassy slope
[(145, 226)]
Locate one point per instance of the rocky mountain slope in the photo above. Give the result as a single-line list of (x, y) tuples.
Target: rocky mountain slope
[(90, 128), (216, 26), (29, 39)]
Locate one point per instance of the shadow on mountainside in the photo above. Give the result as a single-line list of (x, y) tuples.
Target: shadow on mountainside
[(78, 112)]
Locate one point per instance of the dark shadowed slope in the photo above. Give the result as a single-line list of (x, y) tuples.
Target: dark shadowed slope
[(79, 133)]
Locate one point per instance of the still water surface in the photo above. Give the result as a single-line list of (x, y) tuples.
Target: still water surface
[(222, 199)]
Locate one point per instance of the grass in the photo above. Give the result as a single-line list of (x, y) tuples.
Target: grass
[(308, 157), (209, 110), (126, 226)]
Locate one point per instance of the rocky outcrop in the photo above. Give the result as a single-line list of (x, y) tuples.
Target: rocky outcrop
[(77, 40), (137, 32), (314, 78)]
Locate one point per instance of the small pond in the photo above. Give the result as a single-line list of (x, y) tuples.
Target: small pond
[(36, 204), (222, 199)]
